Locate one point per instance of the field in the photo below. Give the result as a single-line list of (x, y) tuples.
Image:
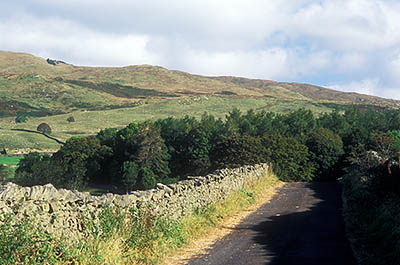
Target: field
[(91, 122), (10, 160)]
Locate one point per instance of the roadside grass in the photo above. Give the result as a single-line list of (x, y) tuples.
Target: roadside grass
[(119, 238), (202, 220), (160, 239)]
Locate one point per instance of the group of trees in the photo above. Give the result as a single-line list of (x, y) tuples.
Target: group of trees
[(300, 146)]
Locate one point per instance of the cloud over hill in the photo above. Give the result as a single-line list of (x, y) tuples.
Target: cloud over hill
[(348, 44)]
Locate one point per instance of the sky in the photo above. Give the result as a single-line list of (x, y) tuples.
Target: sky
[(347, 45)]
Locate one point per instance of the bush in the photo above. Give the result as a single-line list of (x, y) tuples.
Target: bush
[(23, 243), (4, 173), (21, 118), (44, 128), (371, 212), (71, 119)]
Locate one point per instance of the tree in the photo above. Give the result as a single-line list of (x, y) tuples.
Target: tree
[(290, 159), (36, 169), (26, 163), (335, 122), (108, 137), (130, 172), (147, 179), (236, 151), (44, 128), (83, 160), (143, 144), (300, 122), (326, 149)]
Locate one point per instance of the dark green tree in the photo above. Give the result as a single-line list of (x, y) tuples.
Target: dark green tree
[(108, 137), (83, 159), (44, 128), (142, 144), (299, 123), (236, 151), (130, 172), (35, 169), (26, 163), (326, 150), (290, 159), (147, 179), (335, 122)]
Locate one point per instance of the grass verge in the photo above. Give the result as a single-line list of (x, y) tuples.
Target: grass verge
[(136, 237)]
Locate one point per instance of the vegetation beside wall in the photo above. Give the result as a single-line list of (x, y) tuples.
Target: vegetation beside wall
[(138, 237)]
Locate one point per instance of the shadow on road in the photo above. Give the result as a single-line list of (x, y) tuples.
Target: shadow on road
[(302, 224), (311, 234)]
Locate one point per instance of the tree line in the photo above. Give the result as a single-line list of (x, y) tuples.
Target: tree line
[(301, 146)]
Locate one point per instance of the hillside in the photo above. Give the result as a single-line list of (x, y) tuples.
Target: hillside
[(99, 97), (31, 84)]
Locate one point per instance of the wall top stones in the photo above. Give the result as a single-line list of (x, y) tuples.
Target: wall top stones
[(59, 211)]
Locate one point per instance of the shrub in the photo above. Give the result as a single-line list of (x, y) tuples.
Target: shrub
[(4, 173), (71, 119), (23, 243), (44, 128), (371, 212), (21, 118)]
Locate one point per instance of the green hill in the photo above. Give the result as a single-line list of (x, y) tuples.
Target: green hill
[(98, 97)]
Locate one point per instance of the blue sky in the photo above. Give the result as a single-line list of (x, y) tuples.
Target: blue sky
[(348, 45)]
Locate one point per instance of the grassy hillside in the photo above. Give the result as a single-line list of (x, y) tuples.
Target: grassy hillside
[(101, 97)]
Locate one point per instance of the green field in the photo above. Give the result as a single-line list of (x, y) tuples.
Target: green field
[(91, 122), (10, 160)]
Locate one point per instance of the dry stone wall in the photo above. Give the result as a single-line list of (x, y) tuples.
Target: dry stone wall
[(60, 211)]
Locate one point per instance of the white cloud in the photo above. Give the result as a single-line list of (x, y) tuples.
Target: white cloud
[(269, 63), (352, 43), (372, 86), (69, 41), (366, 86)]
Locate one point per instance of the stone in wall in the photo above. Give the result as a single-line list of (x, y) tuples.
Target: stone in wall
[(61, 211)]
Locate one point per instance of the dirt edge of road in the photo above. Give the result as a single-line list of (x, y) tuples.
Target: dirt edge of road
[(200, 245)]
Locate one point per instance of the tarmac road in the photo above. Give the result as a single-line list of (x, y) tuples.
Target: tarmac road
[(301, 225)]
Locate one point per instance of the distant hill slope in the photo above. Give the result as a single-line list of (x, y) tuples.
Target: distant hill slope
[(39, 87)]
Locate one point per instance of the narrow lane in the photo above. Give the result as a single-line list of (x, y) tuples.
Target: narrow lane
[(301, 225)]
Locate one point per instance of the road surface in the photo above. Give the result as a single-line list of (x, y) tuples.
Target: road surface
[(301, 225)]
